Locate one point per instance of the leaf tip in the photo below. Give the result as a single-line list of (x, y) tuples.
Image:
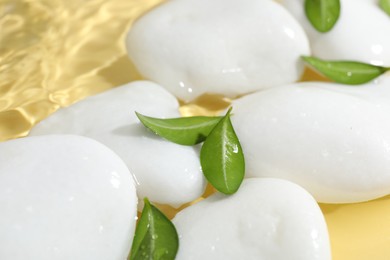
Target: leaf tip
[(146, 201), (139, 115), (309, 59), (229, 111)]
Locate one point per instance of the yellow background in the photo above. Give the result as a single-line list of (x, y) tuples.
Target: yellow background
[(56, 52)]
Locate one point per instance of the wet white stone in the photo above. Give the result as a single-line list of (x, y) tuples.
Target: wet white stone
[(266, 219), (227, 47), (64, 197), (362, 32), (165, 172), (377, 91), (333, 140)]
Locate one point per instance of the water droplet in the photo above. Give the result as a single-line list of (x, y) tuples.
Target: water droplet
[(154, 236), (235, 149), (115, 182)]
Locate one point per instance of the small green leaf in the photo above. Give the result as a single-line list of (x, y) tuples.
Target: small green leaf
[(346, 72), (222, 158), (155, 236), (184, 130), (322, 14), (385, 5)]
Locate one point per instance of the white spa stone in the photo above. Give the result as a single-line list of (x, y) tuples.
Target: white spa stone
[(333, 140), (165, 172), (64, 197), (227, 47), (267, 219), (362, 32), (377, 91)]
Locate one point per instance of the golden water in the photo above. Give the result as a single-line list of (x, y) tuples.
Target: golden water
[(56, 52)]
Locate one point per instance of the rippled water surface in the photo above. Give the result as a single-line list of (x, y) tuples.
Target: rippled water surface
[(55, 52)]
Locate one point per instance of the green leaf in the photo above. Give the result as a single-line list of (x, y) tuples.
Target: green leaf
[(346, 72), (155, 236), (222, 158), (385, 5), (322, 14), (184, 130)]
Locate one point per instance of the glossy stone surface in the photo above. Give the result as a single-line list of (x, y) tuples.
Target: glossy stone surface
[(64, 197), (333, 140), (165, 172), (226, 47), (266, 219), (362, 32)]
